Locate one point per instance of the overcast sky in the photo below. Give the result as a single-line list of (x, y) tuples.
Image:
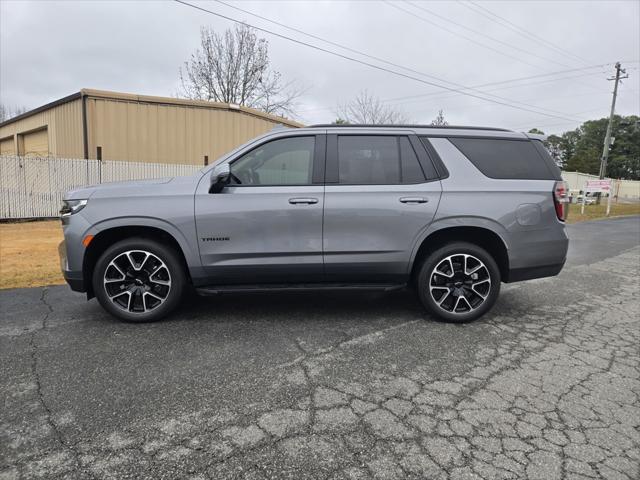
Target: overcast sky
[(49, 49)]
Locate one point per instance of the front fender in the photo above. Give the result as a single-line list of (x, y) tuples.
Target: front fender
[(181, 235)]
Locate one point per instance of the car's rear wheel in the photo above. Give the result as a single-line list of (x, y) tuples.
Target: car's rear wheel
[(139, 280), (459, 282)]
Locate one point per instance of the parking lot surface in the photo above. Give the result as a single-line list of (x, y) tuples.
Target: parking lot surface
[(334, 385)]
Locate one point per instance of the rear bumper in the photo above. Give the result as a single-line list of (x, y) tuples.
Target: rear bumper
[(529, 273), (74, 278), (537, 254)]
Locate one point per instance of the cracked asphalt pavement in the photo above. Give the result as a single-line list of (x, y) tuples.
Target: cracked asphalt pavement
[(336, 386)]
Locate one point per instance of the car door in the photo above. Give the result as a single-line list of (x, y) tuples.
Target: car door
[(266, 225), (381, 192)]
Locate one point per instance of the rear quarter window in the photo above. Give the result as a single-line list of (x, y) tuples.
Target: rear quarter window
[(544, 152), (505, 159)]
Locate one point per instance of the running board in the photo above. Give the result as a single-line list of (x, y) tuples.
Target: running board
[(219, 289)]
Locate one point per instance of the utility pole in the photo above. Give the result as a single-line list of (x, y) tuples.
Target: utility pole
[(607, 138)]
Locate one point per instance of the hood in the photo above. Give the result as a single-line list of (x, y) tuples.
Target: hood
[(133, 187)]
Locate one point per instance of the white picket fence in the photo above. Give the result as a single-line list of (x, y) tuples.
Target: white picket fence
[(33, 187)]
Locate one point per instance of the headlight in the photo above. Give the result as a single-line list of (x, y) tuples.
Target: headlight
[(69, 207)]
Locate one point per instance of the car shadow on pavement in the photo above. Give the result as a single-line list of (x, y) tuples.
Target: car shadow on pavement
[(301, 307), (312, 305)]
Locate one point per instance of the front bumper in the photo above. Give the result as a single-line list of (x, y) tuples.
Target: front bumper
[(74, 278)]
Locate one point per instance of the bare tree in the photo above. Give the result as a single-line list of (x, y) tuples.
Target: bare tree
[(439, 120), (7, 112), (234, 67), (369, 109)]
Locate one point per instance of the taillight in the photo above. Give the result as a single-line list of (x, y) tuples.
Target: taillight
[(561, 199)]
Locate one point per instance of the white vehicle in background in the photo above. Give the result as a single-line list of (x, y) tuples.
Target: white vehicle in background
[(588, 200)]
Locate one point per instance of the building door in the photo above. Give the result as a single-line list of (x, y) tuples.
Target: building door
[(35, 144), (266, 226), (7, 146)]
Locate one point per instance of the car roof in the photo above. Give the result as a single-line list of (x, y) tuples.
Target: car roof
[(403, 125), (430, 130)]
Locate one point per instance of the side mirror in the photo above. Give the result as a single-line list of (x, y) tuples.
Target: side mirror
[(220, 177)]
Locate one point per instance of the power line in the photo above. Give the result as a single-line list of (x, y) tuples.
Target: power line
[(371, 65), (453, 32), (502, 82), (536, 125), (529, 84), (538, 40), (471, 39), (373, 57), (561, 97), (438, 95), (545, 99), (316, 37), (477, 32), (540, 75), (359, 52), (529, 124), (482, 10), (583, 112)]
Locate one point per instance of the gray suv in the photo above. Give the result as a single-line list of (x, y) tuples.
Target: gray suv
[(451, 211)]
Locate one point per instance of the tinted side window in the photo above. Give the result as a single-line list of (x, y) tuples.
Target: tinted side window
[(377, 160), (551, 164), (366, 160), (507, 159), (287, 161), (411, 170)]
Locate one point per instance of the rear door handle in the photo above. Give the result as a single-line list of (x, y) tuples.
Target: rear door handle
[(413, 200), (303, 201)]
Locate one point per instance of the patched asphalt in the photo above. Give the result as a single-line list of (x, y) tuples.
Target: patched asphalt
[(334, 386)]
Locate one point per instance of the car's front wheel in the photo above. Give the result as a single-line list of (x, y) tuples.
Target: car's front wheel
[(139, 280), (459, 282)]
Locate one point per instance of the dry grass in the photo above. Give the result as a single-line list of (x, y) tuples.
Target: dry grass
[(594, 212), (29, 251), (29, 254)]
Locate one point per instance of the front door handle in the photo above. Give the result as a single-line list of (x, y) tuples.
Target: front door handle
[(303, 201), (413, 200)]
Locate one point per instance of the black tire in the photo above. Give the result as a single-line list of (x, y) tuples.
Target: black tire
[(151, 300), (479, 296)]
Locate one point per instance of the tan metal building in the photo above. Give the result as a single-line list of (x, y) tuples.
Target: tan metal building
[(95, 124)]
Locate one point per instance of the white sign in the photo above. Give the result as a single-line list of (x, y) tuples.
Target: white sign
[(598, 186), (594, 186)]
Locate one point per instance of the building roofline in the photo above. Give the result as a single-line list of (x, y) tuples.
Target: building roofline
[(373, 125), (130, 97), (42, 108)]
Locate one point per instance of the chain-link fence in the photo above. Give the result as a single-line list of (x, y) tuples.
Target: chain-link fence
[(33, 187)]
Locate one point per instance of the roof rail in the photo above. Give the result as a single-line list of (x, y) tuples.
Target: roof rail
[(451, 127)]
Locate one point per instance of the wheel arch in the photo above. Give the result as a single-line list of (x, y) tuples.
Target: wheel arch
[(482, 234), (111, 234)]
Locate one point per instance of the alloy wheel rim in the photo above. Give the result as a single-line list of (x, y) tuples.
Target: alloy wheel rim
[(460, 284), (137, 281)]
